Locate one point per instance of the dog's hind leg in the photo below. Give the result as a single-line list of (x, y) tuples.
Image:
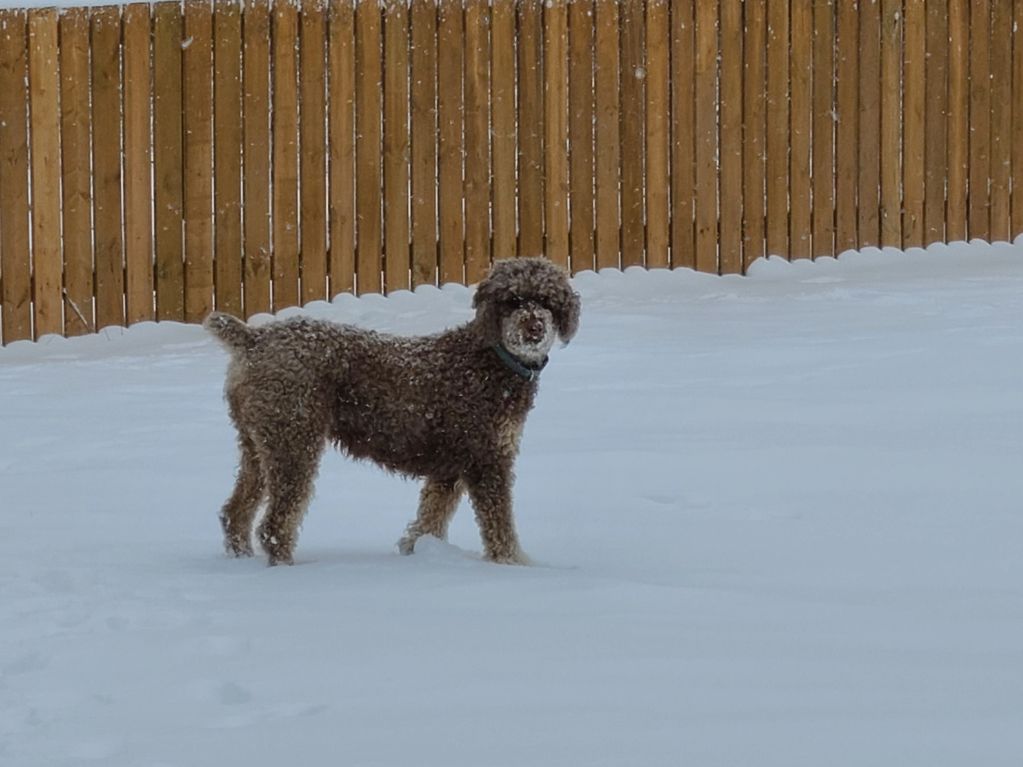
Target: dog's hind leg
[(438, 501), (290, 471), (239, 511)]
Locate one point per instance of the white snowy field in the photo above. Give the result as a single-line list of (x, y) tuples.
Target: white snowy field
[(778, 521)]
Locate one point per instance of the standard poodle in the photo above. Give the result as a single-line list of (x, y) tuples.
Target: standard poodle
[(448, 408)]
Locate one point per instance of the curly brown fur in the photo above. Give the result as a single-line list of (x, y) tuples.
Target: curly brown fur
[(448, 408)]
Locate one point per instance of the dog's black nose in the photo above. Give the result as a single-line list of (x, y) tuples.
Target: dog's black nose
[(533, 329)]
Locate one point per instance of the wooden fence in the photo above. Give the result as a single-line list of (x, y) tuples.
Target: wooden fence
[(159, 160)]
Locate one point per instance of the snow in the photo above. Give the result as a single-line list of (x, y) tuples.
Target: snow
[(778, 521)]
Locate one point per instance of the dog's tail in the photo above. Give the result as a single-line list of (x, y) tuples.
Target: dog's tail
[(230, 331)]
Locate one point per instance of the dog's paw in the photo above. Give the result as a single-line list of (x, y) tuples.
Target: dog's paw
[(406, 546), (513, 558)]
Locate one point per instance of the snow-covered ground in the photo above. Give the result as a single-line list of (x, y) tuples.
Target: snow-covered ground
[(778, 521)]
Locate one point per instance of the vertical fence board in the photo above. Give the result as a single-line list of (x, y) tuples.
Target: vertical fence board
[(731, 138), (658, 110), (706, 138), (869, 165), (1017, 119), (823, 223), (607, 134), (502, 83), (754, 133), (847, 129), (450, 35), (633, 95), (891, 122), (138, 192), (531, 159), (778, 128), (396, 146), (980, 120), (424, 141), (341, 120), (935, 157), (683, 132), (801, 122), (106, 164), (581, 117), (1001, 118), (958, 118), (256, 251), (555, 69), (477, 145), (76, 186), (227, 155), (44, 97), (167, 160), (285, 155), (913, 131), (313, 155)]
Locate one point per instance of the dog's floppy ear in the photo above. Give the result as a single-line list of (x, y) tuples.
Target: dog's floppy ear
[(485, 301), (567, 314)]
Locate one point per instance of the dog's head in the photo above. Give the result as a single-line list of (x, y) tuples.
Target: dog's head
[(524, 304)]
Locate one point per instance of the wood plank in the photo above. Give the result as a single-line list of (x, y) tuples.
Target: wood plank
[(257, 247), (285, 155), (731, 177), (424, 138), (824, 129), (106, 163), (869, 163), (227, 155), (1001, 118), (658, 110), (556, 129), (503, 136), (706, 138), (396, 146), (342, 146), (935, 157), (138, 191), (608, 146), (1017, 119), (76, 161), (777, 128), (197, 95), (891, 123), (914, 109), (801, 122), (958, 119), (581, 116), (167, 159), (477, 142), (754, 133), (450, 40), (847, 129), (15, 258), (633, 84), (313, 162), (980, 120), (44, 93), (531, 158)]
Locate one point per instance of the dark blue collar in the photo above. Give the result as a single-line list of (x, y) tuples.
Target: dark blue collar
[(517, 366)]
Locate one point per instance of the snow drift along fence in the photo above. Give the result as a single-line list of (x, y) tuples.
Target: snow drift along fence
[(157, 161)]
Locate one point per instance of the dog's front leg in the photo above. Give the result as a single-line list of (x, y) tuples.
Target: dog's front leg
[(491, 498), (437, 504)]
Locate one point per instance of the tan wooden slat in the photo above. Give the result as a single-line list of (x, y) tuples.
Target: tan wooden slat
[(801, 122), (824, 129), (1017, 120), (706, 138), (914, 109), (227, 155), (891, 123), (396, 146), (75, 167), (44, 93), (754, 133), (958, 118), (731, 177), (477, 139), (313, 162), (980, 120), (778, 128), (503, 139), (935, 157), (14, 221), (256, 250), (556, 129), (106, 165), (424, 140), (607, 134), (633, 84), (285, 155), (580, 129), (197, 96), (138, 192), (531, 158), (869, 163), (847, 129), (342, 146), (450, 39), (658, 111), (1001, 117), (167, 159)]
